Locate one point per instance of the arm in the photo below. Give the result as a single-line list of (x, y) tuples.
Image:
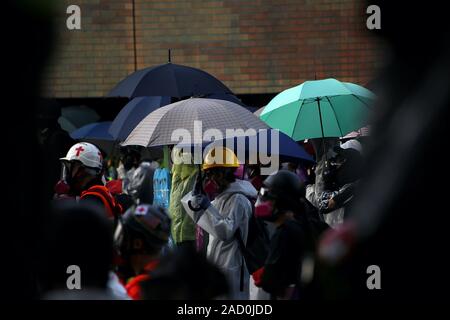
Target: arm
[(344, 194), (222, 225)]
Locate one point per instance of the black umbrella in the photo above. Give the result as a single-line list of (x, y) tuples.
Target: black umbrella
[(170, 80)]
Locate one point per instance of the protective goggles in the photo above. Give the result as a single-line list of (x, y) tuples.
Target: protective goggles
[(265, 194)]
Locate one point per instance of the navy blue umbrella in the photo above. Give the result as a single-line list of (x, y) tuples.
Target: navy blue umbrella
[(288, 150), (170, 80), (133, 112), (96, 133)]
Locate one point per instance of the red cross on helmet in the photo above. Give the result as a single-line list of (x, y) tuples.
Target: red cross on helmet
[(88, 154)]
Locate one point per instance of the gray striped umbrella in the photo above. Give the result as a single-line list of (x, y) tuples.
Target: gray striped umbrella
[(187, 121)]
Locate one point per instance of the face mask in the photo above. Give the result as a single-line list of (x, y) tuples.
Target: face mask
[(211, 189), (264, 209), (62, 188), (74, 175), (214, 181)]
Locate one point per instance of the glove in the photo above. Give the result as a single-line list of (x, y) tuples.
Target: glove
[(257, 276), (200, 201)]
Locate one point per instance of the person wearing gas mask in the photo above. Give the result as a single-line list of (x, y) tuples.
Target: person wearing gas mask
[(338, 180), (140, 237), (81, 178), (281, 201), (222, 218)]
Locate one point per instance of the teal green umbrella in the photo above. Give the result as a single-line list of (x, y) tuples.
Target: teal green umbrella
[(319, 109)]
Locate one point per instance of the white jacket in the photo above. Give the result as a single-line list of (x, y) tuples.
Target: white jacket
[(229, 211)]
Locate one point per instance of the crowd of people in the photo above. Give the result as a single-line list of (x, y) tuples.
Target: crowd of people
[(254, 237)]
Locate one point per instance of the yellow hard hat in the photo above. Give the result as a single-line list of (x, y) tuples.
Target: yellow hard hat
[(220, 157)]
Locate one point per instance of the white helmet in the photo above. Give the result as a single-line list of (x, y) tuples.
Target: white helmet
[(88, 154)]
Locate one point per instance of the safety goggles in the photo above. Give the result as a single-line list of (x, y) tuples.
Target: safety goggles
[(265, 194)]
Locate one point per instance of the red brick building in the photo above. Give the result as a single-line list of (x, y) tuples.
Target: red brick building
[(253, 46)]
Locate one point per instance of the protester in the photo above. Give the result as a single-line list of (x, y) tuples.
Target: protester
[(82, 179), (227, 214), (140, 237), (183, 179), (336, 181), (282, 202)]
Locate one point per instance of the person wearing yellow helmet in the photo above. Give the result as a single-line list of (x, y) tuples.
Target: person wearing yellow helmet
[(224, 217)]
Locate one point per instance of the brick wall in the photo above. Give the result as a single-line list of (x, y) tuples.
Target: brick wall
[(261, 46)]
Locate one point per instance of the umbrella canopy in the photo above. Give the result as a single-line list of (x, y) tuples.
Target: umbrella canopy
[(225, 96), (96, 130), (271, 142), (133, 112), (189, 119), (96, 133), (74, 117), (317, 109), (170, 80), (363, 132)]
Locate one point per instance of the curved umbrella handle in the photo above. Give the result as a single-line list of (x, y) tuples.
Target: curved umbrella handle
[(192, 208)]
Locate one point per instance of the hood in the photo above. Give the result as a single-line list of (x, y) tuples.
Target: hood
[(242, 186)]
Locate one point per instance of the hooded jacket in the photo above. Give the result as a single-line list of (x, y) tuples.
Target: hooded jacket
[(229, 212)]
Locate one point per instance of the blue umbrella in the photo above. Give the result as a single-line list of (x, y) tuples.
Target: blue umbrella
[(96, 133), (288, 149), (75, 117), (170, 80), (96, 130), (133, 112)]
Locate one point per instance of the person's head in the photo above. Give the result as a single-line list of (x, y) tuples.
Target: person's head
[(82, 165), (282, 194), (130, 157), (141, 184), (219, 166), (347, 162), (78, 235), (144, 231)]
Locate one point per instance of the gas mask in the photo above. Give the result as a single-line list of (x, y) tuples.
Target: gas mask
[(74, 174)]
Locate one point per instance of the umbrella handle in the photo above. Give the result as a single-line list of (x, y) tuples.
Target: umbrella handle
[(199, 184), (192, 208)]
